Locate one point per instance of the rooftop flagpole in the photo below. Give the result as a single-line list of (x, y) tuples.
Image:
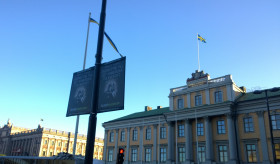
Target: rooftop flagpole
[(78, 116)]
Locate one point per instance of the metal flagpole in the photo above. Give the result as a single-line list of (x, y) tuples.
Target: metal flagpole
[(198, 52), (78, 116), (196, 138)]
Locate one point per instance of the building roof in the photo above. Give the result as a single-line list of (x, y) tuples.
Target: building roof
[(153, 112), (251, 96)]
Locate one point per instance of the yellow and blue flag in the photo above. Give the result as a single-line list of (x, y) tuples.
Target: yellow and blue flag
[(107, 36), (200, 38), (93, 21)]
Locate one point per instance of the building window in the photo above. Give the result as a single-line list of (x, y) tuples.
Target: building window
[(201, 153), (181, 154), (148, 133), (51, 154), (122, 139), (200, 129), (223, 156), (248, 124), (44, 153), (180, 104), (162, 132), (221, 127), (275, 120), (65, 145), (52, 142), (110, 155), (134, 134), (198, 100), (218, 96), (134, 155), (251, 153), (46, 142), (112, 137), (148, 155), (181, 130), (277, 151), (59, 143), (162, 154)]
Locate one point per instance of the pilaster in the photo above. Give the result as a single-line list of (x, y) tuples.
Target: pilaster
[(208, 136), (105, 146), (141, 144), (231, 139), (263, 137), (155, 144), (188, 137), (116, 145), (170, 151), (189, 100), (127, 146), (207, 94)]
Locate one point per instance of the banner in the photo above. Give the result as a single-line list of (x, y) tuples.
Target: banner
[(81, 93), (111, 89), (112, 85)]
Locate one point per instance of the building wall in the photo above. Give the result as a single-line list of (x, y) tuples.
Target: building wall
[(43, 142), (231, 135)]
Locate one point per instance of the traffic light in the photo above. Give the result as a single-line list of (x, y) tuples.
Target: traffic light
[(120, 156)]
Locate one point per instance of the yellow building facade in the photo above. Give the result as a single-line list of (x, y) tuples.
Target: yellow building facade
[(207, 121), (43, 142)]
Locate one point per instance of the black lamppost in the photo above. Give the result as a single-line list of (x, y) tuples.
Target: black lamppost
[(269, 118)]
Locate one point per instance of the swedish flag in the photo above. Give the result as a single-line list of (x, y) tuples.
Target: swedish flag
[(107, 36), (200, 38), (93, 21)]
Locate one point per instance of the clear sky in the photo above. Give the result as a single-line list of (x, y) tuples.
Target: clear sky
[(42, 44)]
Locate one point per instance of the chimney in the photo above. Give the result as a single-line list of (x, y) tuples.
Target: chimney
[(243, 88), (158, 107), (148, 108)]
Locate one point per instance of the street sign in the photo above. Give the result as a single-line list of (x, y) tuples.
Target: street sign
[(81, 93), (112, 85)]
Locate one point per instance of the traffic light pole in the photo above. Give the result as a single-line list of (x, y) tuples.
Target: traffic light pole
[(93, 113)]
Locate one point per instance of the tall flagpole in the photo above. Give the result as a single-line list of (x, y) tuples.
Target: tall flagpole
[(198, 52), (78, 116)]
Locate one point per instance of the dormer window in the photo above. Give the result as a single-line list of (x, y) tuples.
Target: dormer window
[(180, 104), (218, 96), (198, 100)]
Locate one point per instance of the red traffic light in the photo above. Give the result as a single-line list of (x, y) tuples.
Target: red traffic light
[(121, 151)]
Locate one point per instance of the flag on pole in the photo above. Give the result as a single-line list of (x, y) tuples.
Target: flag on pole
[(200, 38), (107, 36), (93, 21)]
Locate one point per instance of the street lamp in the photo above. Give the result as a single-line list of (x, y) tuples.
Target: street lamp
[(269, 118)]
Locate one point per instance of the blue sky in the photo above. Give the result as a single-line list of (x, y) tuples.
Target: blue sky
[(42, 44)]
